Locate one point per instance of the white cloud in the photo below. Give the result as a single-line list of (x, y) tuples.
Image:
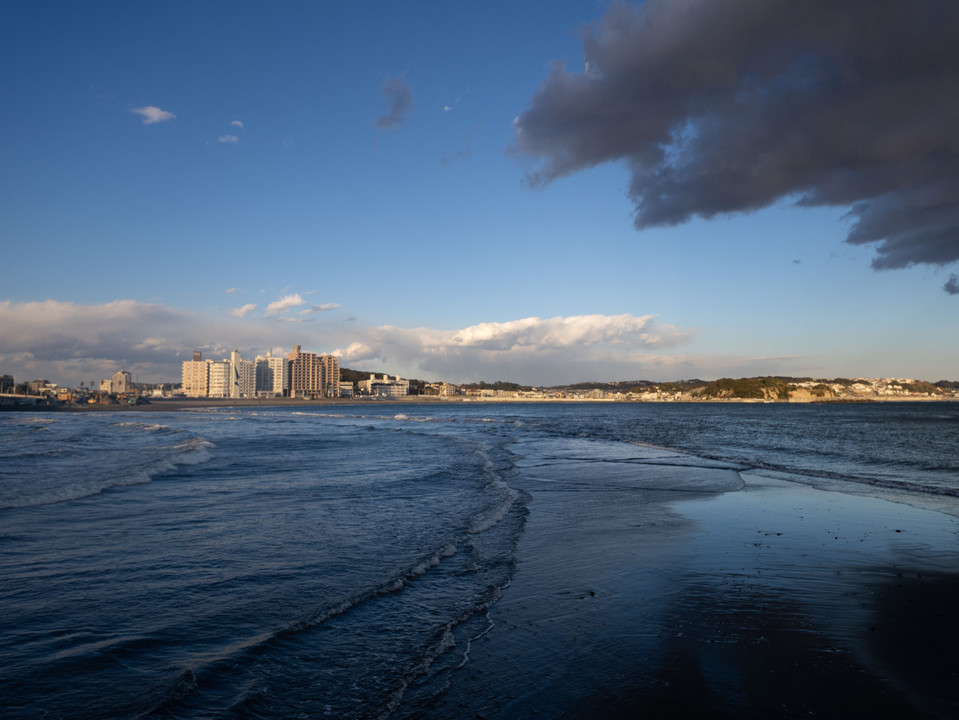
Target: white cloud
[(243, 311), (228, 139), (152, 114), (237, 123), (530, 350), (558, 332), (232, 290), (69, 342), (325, 307), (285, 303), (355, 352)]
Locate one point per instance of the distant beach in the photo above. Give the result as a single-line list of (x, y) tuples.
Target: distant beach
[(177, 404)]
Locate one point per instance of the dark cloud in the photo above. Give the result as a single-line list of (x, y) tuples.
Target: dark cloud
[(952, 285), (398, 98), (720, 107)]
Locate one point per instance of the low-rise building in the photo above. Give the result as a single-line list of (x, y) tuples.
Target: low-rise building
[(384, 387), (121, 382)]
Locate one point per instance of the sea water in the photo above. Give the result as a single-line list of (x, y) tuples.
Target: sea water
[(342, 562)]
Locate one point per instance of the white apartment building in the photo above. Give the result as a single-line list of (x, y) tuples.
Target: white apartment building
[(220, 378), (272, 376)]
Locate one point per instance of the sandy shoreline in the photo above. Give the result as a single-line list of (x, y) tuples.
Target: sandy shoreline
[(174, 405), (779, 600), (163, 405)]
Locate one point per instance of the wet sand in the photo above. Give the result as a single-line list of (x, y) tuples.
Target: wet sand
[(779, 600)]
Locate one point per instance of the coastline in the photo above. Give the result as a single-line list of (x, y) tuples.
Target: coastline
[(177, 404), (779, 600)]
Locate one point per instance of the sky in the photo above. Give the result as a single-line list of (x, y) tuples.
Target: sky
[(540, 192)]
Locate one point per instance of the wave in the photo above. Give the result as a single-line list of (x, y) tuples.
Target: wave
[(30, 420), (183, 685), (417, 569), (495, 512), (81, 484), (821, 478), (146, 427), (444, 641), (824, 479)]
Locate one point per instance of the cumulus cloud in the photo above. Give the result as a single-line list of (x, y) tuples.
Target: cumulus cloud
[(558, 332), (285, 303), (228, 139), (152, 114), (232, 290), (289, 302), (356, 352), (69, 342), (952, 285), (722, 107), (237, 123), (63, 340), (398, 98), (243, 311), (531, 350)]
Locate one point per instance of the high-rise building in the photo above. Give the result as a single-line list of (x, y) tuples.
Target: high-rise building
[(235, 374), (242, 376), (313, 375), (246, 378), (272, 375), (220, 378), (331, 375), (196, 377)]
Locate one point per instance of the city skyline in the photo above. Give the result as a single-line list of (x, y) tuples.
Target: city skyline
[(543, 194)]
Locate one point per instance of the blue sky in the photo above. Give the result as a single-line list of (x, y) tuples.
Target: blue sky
[(439, 190)]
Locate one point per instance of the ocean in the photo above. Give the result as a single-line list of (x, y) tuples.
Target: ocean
[(480, 560)]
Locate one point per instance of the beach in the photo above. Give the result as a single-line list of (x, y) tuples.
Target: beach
[(456, 560), (776, 600), (770, 602)]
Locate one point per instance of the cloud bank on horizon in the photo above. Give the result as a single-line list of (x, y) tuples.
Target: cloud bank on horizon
[(68, 342), (725, 107)]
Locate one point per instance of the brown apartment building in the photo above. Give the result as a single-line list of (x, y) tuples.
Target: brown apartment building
[(313, 375)]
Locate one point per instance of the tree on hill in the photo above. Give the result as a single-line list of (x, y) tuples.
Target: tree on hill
[(761, 388), (498, 385)]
